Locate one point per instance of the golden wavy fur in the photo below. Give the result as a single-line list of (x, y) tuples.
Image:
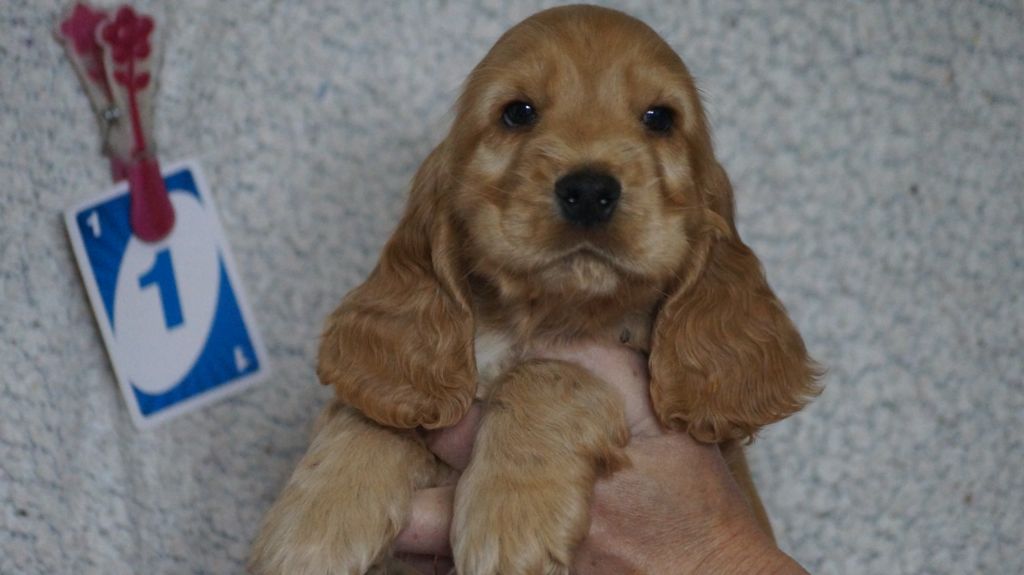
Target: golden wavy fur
[(486, 266)]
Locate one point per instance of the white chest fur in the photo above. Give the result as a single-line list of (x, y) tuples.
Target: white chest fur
[(494, 352)]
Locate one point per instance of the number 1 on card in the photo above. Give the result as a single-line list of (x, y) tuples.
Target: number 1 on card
[(162, 274), (93, 221)]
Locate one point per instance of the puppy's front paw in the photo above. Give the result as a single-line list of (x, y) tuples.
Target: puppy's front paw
[(522, 506), (320, 530), (526, 526), (345, 503)]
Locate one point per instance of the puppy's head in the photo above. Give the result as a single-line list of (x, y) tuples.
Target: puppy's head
[(581, 140), (580, 164)]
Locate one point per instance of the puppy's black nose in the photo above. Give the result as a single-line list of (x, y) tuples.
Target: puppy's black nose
[(587, 197)]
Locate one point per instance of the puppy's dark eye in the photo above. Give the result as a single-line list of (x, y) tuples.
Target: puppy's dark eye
[(658, 119), (519, 115)]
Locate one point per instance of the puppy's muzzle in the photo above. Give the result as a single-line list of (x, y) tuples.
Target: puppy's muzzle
[(587, 198)]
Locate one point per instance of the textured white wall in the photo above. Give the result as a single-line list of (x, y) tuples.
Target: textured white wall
[(877, 154)]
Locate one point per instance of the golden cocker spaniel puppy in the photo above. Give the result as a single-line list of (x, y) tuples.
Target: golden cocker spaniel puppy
[(576, 197)]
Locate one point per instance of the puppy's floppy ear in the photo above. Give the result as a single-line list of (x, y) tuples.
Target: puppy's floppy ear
[(726, 359), (400, 346)]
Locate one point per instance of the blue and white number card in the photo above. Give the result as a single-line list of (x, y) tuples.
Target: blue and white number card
[(172, 313)]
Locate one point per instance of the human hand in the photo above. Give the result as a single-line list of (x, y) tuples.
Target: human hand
[(675, 509)]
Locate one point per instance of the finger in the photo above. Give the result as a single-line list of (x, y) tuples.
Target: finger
[(454, 445), (429, 523)]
